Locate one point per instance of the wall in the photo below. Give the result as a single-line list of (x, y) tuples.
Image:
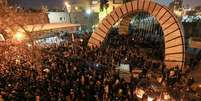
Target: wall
[(58, 17)]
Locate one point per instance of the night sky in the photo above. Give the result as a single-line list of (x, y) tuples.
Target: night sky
[(37, 3), (60, 3)]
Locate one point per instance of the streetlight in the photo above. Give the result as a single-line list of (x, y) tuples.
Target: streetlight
[(88, 11), (89, 15), (76, 8), (68, 10), (19, 36)]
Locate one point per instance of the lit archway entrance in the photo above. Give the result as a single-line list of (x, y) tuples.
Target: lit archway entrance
[(173, 33)]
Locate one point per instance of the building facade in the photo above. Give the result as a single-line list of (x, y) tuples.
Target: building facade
[(58, 17)]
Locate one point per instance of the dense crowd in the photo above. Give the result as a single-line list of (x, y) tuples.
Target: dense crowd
[(73, 72)]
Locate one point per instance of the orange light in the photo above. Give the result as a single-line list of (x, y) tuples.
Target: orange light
[(19, 36)]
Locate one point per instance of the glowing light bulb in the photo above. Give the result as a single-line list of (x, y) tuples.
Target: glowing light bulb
[(19, 36)]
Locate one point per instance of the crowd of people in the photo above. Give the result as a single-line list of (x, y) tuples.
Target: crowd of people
[(74, 72)]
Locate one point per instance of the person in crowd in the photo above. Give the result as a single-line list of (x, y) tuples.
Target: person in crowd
[(75, 72)]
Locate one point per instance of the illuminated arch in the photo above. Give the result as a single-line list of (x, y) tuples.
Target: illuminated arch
[(173, 33)]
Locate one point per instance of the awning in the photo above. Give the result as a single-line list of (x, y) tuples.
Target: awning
[(45, 27)]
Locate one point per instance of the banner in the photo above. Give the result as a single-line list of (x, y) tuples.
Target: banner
[(124, 68)]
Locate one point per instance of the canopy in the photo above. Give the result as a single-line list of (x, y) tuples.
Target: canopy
[(45, 27)]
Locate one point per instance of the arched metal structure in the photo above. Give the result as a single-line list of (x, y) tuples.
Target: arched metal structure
[(173, 33)]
